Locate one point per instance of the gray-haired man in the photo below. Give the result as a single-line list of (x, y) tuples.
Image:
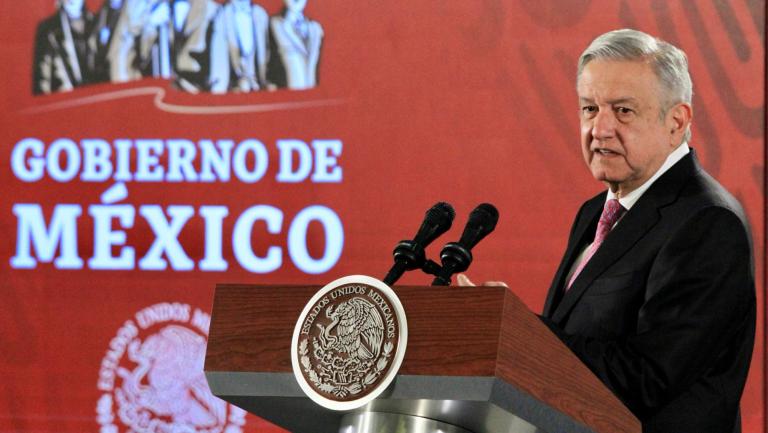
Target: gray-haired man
[(655, 292)]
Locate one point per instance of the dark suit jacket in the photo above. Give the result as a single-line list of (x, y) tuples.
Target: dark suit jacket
[(664, 312), (63, 59)]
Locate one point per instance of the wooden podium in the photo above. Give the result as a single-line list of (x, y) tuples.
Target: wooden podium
[(476, 358)]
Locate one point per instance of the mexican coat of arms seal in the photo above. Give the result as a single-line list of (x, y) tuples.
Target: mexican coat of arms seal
[(349, 342)]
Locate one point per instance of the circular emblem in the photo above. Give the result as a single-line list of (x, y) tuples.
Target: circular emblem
[(349, 342), (151, 379)]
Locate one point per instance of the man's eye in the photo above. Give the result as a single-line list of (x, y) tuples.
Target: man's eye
[(624, 110), (589, 110)]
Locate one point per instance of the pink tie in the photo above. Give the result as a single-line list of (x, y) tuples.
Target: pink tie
[(612, 211)]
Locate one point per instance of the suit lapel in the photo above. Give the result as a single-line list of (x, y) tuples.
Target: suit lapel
[(580, 237), (630, 229)]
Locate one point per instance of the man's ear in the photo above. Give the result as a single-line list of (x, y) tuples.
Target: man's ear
[(677, 120)]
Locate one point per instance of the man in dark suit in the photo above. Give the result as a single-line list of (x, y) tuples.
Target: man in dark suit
[(64, 52), (655, 293)]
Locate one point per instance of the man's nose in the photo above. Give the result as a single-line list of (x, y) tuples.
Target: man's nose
[(604, 125)]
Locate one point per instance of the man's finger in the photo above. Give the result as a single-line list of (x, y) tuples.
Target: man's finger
[(463, 280)]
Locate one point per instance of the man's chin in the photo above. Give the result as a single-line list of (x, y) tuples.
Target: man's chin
[(602, 176), (608, 179)]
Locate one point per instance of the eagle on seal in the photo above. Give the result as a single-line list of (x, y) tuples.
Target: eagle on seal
[(359, 329)]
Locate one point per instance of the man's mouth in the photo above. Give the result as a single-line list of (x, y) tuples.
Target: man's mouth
[(605, 152)]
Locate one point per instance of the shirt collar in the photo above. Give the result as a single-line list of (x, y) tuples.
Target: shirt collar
[(630, 199)]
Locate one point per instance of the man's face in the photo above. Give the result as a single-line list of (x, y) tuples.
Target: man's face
[(623, 138)]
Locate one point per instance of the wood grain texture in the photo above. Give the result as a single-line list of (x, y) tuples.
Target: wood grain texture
[(534, 360), (468, 331), (252, 326)]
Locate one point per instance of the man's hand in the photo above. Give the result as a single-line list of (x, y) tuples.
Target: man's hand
[(463, 280)]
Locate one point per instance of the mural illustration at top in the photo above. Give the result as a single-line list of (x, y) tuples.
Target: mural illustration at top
[(199, 45)]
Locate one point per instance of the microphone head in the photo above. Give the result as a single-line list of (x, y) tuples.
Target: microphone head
[(481, 222), (441, 211), (437, 220), (487, 213)]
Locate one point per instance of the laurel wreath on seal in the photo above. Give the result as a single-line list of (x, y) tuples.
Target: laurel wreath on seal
[(342, 391)]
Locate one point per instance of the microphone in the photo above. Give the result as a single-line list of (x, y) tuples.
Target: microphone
[(457, 256), (409, 255)]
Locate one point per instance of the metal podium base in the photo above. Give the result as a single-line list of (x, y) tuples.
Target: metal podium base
[(379, 422)]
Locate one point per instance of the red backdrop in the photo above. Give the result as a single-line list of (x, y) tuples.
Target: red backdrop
[(462, 102)]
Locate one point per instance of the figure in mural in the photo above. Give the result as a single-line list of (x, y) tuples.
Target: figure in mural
[(182, 40), (295, 43), (199, 45), (246, 26), (103, 32), (64, 51)]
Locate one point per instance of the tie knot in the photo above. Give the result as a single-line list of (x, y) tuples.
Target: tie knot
[(611, 212)]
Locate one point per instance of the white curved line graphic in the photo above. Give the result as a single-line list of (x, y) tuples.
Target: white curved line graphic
[(159, 94)]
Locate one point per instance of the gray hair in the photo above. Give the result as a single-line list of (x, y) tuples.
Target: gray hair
[(669, 63)]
